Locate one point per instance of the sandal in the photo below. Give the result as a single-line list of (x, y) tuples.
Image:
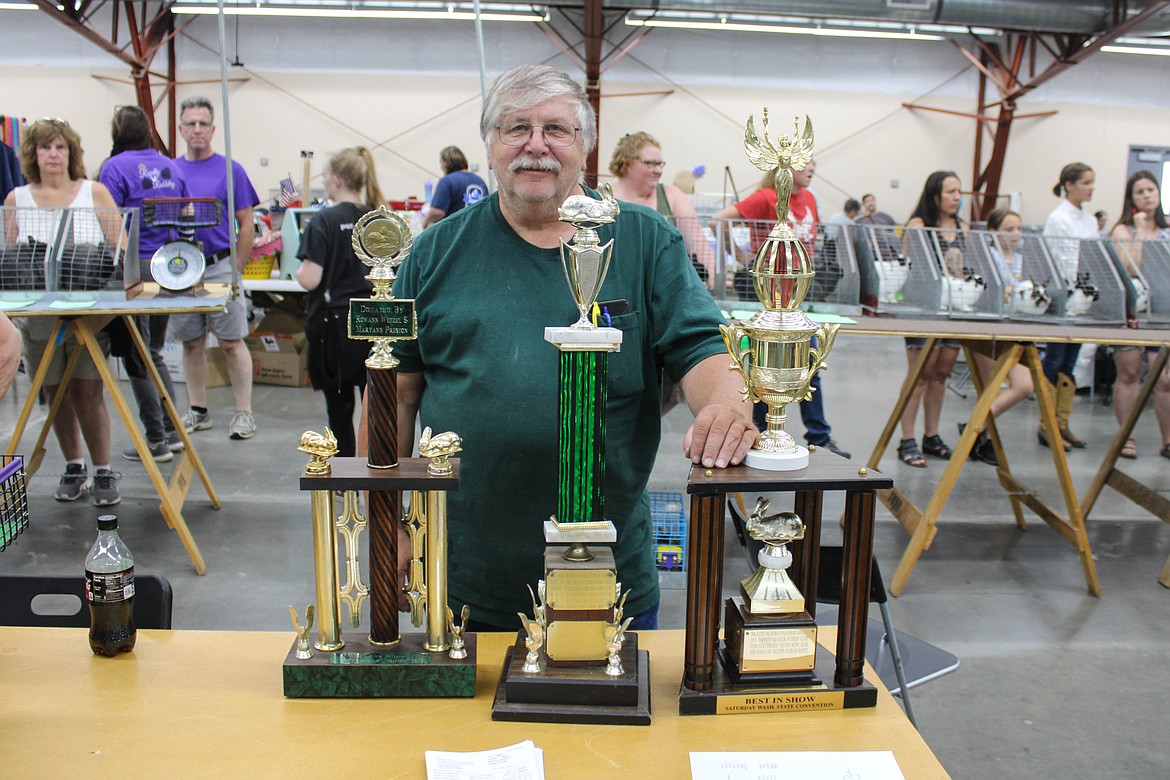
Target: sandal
[(1166, 451), (934, 445), (909, 453), (1129, 451)]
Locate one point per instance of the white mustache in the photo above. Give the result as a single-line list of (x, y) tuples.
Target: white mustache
[(530, 163)]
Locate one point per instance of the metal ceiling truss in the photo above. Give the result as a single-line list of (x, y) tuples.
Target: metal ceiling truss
[(146, 34), (1001, 63)]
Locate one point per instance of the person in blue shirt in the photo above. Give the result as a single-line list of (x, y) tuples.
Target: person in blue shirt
[(458, 188)]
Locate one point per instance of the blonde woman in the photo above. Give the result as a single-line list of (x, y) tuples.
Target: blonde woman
[(332, 274)]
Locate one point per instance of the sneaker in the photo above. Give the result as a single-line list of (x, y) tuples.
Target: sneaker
[(105, 488), (159, 452), (73, 482), (196, 421), (243, 426), (175, 442)]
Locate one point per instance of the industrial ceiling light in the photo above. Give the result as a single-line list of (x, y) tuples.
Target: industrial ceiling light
[(1157, 51), (490, 12), (835, 28)]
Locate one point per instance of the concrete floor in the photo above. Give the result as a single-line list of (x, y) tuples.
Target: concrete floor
[(1053, 683)]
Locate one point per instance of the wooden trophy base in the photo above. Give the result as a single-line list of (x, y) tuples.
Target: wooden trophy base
[(726, 697), (364, 671), (579, 694)]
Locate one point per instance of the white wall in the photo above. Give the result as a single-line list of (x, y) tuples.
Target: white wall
[(414, 87)]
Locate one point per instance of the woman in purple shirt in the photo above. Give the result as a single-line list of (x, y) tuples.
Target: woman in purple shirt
[(134, 172)]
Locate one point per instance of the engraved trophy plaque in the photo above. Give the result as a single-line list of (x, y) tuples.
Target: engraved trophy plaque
[(574, 661), (773, 349)]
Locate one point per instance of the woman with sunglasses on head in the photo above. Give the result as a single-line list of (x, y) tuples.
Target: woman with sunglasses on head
[(938, 207), (52, 162), (134, 172), (1141, 220), (638, 165), (1070, 221)]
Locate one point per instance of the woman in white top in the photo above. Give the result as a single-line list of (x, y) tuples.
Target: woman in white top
[(1141, 220), (1068, 220), (51, 160)]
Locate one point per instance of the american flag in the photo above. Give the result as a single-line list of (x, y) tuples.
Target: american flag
[(288, 193)]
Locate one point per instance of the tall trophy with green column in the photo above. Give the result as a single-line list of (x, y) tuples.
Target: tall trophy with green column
[(575, 661)]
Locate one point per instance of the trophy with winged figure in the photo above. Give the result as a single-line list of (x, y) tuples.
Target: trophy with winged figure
[(774, 350)]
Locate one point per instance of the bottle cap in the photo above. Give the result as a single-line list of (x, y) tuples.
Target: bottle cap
[(107, 522)]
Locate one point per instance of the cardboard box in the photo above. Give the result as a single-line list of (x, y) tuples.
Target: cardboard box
[(279, 359), (279, 353)]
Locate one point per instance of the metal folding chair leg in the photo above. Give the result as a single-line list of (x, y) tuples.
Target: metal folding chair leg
[(891, 639)]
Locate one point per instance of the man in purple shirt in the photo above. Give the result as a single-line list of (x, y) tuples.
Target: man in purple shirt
[(206, 176)]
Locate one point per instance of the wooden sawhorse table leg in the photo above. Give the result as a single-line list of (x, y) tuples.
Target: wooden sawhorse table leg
[(1150, 500), (172, 495), (922, 525)]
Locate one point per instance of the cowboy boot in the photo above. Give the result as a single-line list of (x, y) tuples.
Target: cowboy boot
[(1066, 391), (1041, 435)]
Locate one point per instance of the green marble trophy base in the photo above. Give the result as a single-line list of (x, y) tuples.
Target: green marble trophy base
[(364, 671)]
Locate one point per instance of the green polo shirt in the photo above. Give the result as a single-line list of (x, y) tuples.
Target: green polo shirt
[(484, 297)]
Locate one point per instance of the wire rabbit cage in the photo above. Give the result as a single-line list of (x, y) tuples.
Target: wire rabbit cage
[(13, 499), (66, 250)]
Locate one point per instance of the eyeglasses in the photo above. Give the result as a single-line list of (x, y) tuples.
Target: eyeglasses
[(653, 163), (52, 120), (197, 123), (519, 133)]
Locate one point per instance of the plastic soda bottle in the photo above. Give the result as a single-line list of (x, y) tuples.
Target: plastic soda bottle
[(109, 591)]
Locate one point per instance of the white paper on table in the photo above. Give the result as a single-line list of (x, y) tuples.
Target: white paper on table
[(796, 765), (522, 761)]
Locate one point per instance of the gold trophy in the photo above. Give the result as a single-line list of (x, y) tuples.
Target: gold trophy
[(767, 632), (773, 349), (437, 663), (574, 661)]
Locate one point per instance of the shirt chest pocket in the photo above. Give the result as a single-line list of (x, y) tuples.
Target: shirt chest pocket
[(627, 368)]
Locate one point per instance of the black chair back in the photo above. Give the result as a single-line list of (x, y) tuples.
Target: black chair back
[(20, 605)]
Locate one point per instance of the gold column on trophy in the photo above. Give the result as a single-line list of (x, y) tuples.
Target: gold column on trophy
[(320, 448), (773, 350)]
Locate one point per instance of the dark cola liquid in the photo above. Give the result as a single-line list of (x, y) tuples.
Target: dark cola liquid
[(111, 628)]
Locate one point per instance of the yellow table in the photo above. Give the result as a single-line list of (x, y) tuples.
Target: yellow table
[(1009, 342), (81, 316), (188, 703)]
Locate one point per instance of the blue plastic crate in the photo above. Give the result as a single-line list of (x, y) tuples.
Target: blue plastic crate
[(670, 530)]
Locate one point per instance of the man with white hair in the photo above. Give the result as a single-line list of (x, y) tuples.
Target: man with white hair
[(486, 282)]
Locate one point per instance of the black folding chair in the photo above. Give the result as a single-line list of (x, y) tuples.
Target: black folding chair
[(41, 600)]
